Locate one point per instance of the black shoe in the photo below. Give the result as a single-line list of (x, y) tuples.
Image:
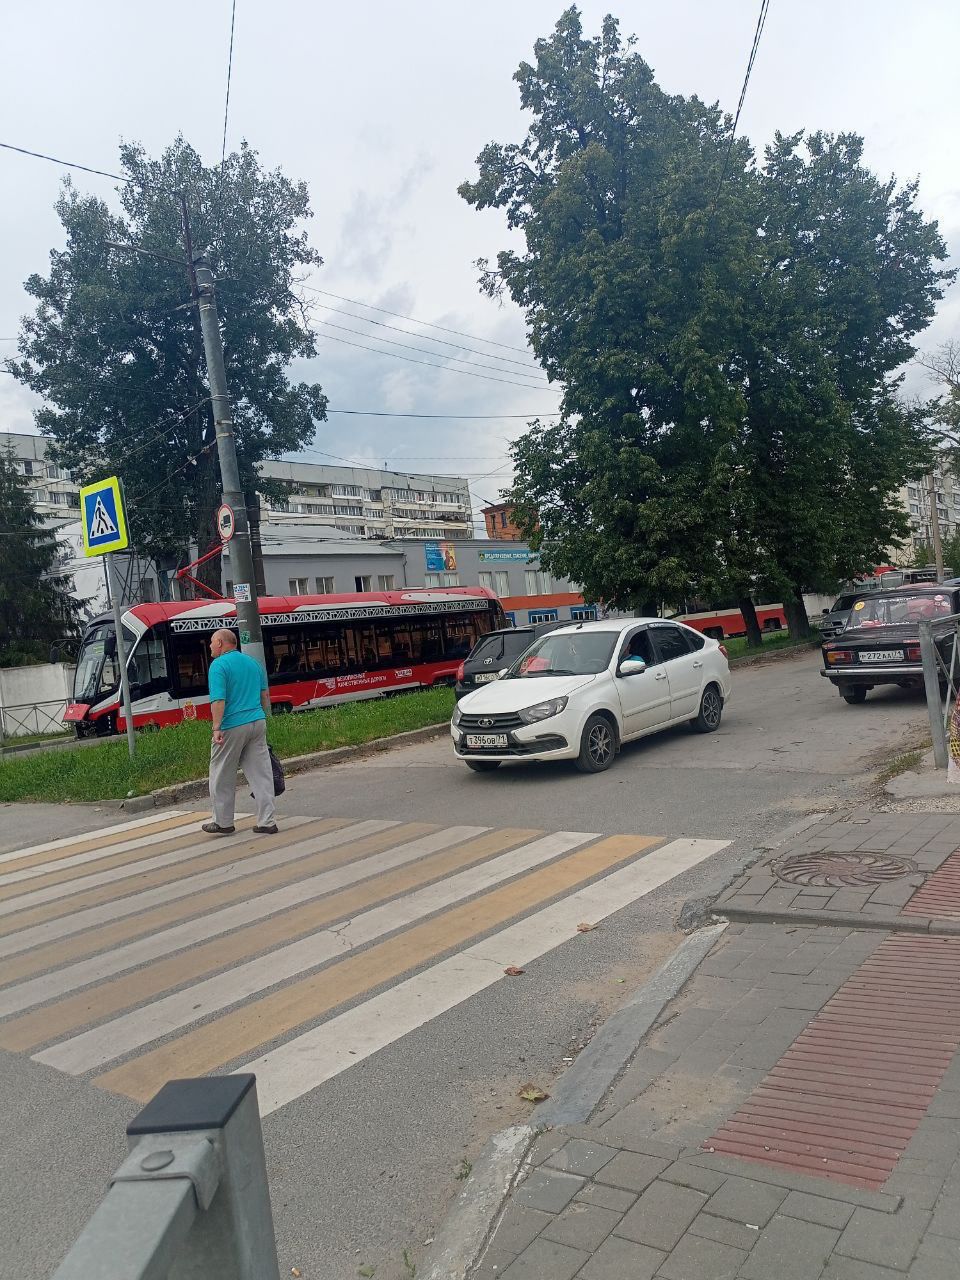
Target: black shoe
[(214, 829), (266, 831)]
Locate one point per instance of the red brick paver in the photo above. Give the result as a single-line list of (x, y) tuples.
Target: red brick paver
[(939, 896), (846, 1098)]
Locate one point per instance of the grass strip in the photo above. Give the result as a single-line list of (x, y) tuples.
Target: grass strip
[(182, 752)]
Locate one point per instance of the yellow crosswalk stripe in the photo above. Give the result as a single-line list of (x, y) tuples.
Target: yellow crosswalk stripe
[(92, 1005), (100, 840), (238, 1033), (65, 950)]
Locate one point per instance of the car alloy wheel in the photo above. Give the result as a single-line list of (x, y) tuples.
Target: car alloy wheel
[(598, 746), (707, 718)]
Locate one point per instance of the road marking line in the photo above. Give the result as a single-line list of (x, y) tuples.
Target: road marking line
[(115, 1039), (96, 840), (300, 1065), (213, 888), (235, 1034), (143, 950), (97, 859), (341, 841), (186, 851)]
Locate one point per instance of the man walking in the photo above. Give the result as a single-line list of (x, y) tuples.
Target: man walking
[(238, 705)]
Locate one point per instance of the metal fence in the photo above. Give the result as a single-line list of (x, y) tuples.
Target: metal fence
[(30, 719), (191, 1199), (940, 654)]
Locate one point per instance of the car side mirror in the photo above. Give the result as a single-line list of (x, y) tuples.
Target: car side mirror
[(631, 666)]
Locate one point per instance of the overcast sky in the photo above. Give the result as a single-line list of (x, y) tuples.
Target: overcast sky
[(382, 108)]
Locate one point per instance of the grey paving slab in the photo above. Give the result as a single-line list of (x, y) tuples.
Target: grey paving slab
[(946, 1219), (882, 1238), (789, 1249), (581, 1157), (548, 1190), (631, 1170), (518, 1227), (931, 1269), (727, 1232), (661, 1215), (852, 1269), (605, 1197), (618, 1258), (744, 1200), (546, 1260), (879, 1200), (920, 1190), (583, 1226), (493, 1265), (827, 1213), (696, 1258), (690, 1175), (939, 1248)]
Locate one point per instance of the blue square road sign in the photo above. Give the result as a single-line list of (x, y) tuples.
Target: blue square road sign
[(103, 517)]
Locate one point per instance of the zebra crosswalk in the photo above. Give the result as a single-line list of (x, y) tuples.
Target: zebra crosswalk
[(150, 951)]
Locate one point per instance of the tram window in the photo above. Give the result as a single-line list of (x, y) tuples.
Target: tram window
[(325, 651), (148, 666), (461, 636), (189, 660), (285, 652)]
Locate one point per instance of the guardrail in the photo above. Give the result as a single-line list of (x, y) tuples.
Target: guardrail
[(191, 1199), (941, 673), (27, 719)]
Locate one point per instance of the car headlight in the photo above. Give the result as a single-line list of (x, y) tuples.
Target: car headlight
[(542, 710), (457, 716)]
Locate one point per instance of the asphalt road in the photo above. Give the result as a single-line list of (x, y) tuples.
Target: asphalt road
[(363, 1167)]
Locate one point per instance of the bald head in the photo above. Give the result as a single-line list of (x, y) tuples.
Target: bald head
[(222, 641)]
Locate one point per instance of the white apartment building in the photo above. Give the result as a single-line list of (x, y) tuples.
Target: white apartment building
[(371, 503), (55, 496), (354, 500), (916, 501)]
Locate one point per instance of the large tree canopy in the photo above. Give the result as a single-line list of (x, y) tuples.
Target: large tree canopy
[(725, 332), (114, 346), (37, 610)]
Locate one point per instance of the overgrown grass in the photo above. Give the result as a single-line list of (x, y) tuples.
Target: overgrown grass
[(182, 752), (736, 646)]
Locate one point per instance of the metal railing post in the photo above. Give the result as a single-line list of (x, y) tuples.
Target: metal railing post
[(191, 1200), (931, 683)]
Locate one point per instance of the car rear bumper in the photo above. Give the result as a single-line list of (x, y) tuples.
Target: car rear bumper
[(913, 673)]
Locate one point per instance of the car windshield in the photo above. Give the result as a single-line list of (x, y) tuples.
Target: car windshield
[(576, 653), (843, 603), (898, 610)]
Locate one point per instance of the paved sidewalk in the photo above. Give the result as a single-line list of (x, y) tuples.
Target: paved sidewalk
[(795, 1112)]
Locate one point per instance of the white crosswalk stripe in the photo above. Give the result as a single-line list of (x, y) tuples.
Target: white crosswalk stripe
[(158, 972)]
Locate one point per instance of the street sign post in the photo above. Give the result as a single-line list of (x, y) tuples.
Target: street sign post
[(104, 522)]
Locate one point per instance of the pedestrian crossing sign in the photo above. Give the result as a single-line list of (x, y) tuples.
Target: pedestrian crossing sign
[(103, 518)]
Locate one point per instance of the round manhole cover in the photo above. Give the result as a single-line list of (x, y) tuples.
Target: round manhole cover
[(841, 870)]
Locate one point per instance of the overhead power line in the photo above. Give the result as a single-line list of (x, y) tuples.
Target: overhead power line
[(226, 106), (530, 366), (761, 23), (67, 164), (442, 368), (378, 413), (424, 351), (397, 315)]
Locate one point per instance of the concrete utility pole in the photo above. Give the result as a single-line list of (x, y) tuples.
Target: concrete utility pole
[(241, 551), (935, 527)]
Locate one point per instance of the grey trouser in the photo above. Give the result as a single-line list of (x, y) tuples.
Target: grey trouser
[(244, 747)]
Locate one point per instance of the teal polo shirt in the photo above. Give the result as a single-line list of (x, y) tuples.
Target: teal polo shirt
[(237, 681)]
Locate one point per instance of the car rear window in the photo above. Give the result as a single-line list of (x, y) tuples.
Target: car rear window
[(506, 646), (843, 603)]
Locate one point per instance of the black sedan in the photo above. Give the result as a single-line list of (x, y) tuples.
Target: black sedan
[(880, 643)]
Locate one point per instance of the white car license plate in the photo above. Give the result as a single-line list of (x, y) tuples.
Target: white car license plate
[(486, 677), (476, 740), (883, 655)]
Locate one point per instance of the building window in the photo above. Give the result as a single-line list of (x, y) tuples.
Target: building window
[(486, 581), (326, 586), (298, 586), (510, 617), (503, 582), (361, 582), (542, 615), (451, 579), (347, 491), (503, 519), (431, 580), (148, 590), (385, 582), (914, 508), (537, 582), (584, 613)]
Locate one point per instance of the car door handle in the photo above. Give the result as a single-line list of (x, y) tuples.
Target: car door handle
[(698, 663), (661, 675)]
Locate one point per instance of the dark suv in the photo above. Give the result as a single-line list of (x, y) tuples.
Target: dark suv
[(496, 651)]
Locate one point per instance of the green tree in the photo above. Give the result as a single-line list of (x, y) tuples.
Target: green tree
[(36, 610), (729, 422), (115, 350)]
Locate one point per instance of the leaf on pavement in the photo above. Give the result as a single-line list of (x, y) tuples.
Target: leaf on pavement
[(583, 927), (531, 1092), (295, 1271), (367, 1271), (513, 972)]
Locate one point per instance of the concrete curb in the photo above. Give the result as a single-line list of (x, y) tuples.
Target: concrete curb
[(774, 655), (198, 787), (474, 1215), (844, 920)]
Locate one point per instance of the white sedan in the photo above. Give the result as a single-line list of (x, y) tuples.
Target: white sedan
[(581, 691)]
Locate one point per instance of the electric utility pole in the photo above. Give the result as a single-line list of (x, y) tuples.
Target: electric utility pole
[(935, 527), (241, 551)]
